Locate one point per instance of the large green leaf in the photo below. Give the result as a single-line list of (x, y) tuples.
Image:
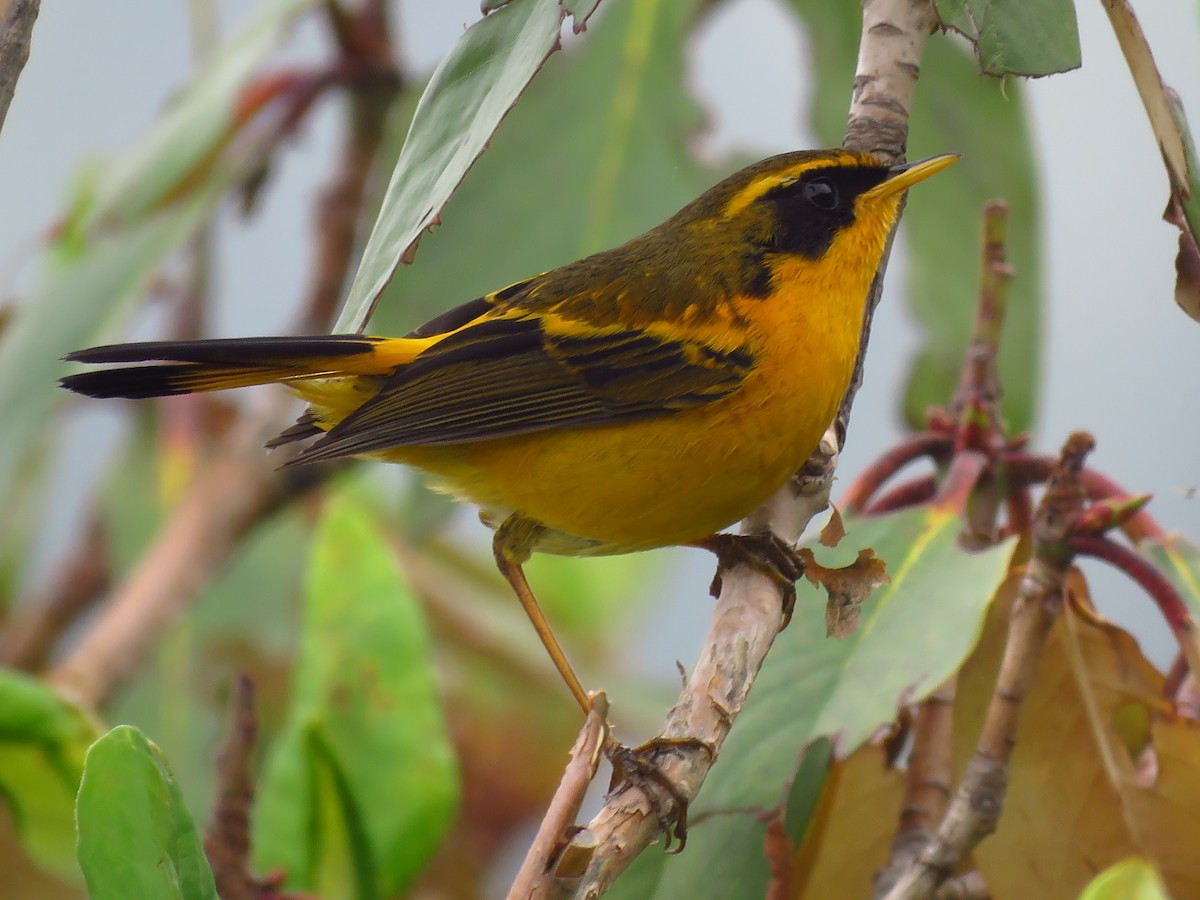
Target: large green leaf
[(135, 836), (42, 744), (1017, 37), (470, 92), (914, 633), (595, 153), (364, 782), (956, 111)]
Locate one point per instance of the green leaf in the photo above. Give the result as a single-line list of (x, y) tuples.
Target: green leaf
[(1016, 37), (914, 632), (135, 836), (364, 779), (1131, 879), (595, 153), (42, 744), (470, 92), (954, 111), (196, 124)]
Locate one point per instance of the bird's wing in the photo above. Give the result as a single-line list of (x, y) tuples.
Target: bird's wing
[(516, 372)]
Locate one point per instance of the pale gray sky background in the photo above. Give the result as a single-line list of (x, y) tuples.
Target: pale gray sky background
[(1120, 359)]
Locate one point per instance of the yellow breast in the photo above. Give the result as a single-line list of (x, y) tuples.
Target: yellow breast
[(675, 479)]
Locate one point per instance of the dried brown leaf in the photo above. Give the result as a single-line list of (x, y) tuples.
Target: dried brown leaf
[(850, 834), (1151, 755), (1187, 261), (834, 530), (847, 588), (1150, 87)]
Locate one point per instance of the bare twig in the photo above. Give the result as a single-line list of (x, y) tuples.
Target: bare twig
[(927, 782), (554, 862), (15, 33), (227, 840), (976, 807)]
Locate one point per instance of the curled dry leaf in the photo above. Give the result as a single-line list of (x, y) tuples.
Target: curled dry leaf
[(1165, 113), (847, 588), (1187, 261), (834, 530)]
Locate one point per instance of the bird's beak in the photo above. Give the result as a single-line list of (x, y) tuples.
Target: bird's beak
[(904, 176)]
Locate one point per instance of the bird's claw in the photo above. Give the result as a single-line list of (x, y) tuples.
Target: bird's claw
[(637, 766), (766, 553)]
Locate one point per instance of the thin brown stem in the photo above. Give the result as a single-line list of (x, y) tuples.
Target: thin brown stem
[(1154, 583), (555, 862), (926, 445), (927, 782)]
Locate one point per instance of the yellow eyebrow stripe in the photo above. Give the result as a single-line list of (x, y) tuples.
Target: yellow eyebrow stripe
[(761, 185)]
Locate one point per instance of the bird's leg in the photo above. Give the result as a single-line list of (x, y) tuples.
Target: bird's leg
[(512, 545), (765, 552)]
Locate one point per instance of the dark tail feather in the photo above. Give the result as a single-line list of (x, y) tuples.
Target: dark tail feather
[(182, 367)]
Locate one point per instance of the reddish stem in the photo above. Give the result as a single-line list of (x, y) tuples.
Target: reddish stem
[(902, 496), (1146, 576), (1029, 468), (923, 444)]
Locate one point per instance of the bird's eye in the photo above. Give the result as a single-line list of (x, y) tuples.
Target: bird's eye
[(822, 194)]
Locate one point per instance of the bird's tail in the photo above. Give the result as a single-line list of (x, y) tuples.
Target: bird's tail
[(182, 367)]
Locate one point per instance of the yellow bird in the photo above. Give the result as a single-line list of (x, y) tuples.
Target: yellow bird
[(646, 396)]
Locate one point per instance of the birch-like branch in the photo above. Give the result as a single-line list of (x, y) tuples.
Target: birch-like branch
[(748, 612), (15, 33)]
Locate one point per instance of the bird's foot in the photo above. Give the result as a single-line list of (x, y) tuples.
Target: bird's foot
[(767, 553), (639, 766)]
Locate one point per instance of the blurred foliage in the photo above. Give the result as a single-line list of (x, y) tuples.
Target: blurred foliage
[(411, 727)]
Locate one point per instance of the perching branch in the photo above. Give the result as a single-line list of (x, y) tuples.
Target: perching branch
[(748, 612)]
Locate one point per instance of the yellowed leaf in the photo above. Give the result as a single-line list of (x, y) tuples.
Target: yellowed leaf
[(1150, 87), (1152, 756), (834, 530), (1062, 818), (851, 831)]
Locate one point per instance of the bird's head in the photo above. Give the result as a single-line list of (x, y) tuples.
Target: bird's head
[(804, 203)]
